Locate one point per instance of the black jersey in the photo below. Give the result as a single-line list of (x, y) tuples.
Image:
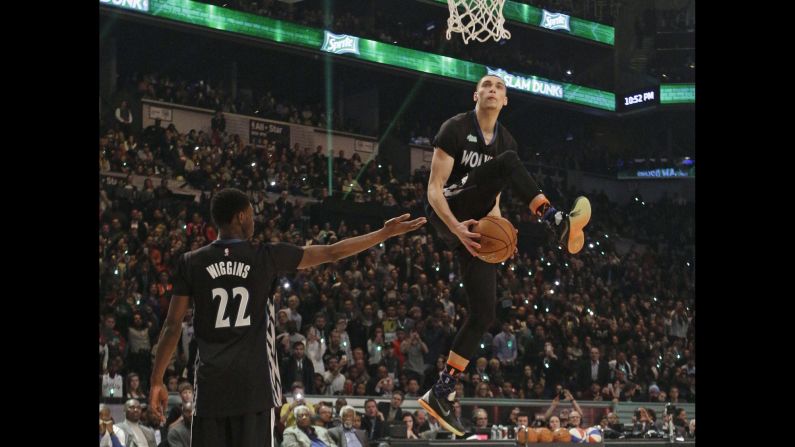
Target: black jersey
[(461, 138), (231, 285)]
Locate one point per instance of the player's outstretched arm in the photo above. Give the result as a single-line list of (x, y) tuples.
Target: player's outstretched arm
[(320, 254), (169, 337)]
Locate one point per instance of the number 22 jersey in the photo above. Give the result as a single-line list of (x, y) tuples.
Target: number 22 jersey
[(231, 283)]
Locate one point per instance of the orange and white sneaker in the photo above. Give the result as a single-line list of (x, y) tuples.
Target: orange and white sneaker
[(570, 226)]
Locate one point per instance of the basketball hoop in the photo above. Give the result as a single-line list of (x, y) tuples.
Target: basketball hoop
[(477, 20)]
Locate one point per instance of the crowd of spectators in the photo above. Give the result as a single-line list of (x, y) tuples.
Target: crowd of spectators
[(209, 94), (613, 323), (190, 154), (209, 160)]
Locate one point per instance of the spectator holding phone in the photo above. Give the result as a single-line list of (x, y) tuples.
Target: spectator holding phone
[(286, 414), (566, 396)]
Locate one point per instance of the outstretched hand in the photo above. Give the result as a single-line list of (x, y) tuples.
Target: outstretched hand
[(401, 224), (158, 400)]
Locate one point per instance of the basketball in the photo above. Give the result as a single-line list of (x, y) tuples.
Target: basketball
[(578, 435), (526, 435), (594, 434), (521, 435), (532, 435), (497, 239), (561, 435), (544, 434)]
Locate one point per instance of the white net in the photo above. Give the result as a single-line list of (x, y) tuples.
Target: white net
[(477, 20)]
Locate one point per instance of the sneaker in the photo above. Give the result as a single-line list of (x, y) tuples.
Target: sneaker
[(570, 225), (441, 408)]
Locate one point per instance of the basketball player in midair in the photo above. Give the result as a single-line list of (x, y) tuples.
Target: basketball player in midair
[(230, 283), (474, 158)]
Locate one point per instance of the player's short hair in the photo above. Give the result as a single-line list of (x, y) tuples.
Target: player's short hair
[(477, 86), (226, 203)]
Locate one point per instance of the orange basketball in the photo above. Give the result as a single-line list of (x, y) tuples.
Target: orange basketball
[(544, 434), (525, 435), (497, 239), (562, 435), (521, 435), (532, 436)]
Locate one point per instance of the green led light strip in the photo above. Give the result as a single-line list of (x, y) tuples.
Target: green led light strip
[(200, 14), (677, 93)]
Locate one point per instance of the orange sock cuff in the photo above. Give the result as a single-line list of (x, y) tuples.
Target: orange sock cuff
[(537, 202), (457, 362)]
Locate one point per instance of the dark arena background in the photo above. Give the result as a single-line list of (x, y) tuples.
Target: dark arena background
[(324, 112)]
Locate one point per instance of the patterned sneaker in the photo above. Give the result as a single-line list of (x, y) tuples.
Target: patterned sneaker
[(438, 402)]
